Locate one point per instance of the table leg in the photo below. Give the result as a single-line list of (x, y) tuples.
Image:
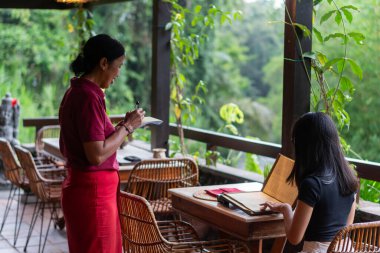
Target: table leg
[(256, 246), (278, 245)]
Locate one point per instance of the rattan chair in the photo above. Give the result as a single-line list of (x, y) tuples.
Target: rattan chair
[(151, 179), (142, 233), (358, 237), (14, 173), (47, 191), (50, 131)]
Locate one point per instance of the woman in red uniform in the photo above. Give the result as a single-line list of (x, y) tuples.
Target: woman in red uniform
[(89, 142)]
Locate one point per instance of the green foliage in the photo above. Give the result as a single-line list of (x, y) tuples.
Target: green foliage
[(184, 44)]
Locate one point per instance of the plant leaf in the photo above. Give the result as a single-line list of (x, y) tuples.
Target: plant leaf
[(318, 35), (347, 14), (326, 16), (356, 69), (305, 30), (338, 17), (358, 37), (197, 9)]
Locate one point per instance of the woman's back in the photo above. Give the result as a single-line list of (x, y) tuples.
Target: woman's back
[(330, 208)]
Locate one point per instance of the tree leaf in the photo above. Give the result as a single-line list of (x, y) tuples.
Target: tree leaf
[(334, 36), (350, 7), (318, 35), (238, 15), (305, 30), (356, 69), (197, 9), (326, 16), (347, 14), (310, 55), (358, 37), (338, 17), (331, 63), (346, 84)]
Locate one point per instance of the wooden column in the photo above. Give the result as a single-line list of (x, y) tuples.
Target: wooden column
[(296, 90), (160, 97)]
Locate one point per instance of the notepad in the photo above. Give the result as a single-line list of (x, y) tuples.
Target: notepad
[(216, 192), (150, 121)]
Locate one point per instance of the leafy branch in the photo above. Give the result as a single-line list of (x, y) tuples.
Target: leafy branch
[(184, 46), (334, 88)]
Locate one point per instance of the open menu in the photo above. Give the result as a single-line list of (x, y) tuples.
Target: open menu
[(150, 121), (275, 189)]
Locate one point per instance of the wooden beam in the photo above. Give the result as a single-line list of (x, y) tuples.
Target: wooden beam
[(50, 4), (160, 96), (296, 91)]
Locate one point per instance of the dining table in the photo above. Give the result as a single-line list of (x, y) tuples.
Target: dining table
[(133, 148), (231, 221)]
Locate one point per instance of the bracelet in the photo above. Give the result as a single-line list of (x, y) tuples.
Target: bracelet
[(128, 129)]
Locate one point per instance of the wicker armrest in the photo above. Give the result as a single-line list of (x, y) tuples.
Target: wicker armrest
[(177, 231)]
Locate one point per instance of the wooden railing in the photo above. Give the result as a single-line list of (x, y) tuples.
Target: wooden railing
[(365, 169)]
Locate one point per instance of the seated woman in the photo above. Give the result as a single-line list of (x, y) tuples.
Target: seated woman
[(326, 184)]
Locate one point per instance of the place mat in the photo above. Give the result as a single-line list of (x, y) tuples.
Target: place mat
[(201, 194)]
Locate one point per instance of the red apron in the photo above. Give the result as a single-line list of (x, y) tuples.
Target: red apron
[(89, 204)]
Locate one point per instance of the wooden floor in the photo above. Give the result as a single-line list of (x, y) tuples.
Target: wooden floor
[(56, 241)]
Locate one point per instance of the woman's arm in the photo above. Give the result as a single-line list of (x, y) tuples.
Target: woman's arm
[(98, 151), (295, 223), (351, 215)]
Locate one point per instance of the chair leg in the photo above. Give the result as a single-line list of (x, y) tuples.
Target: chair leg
[(53, 211), (42, 225), (32, 223), (22, 216), (17, 211), (12, 192)]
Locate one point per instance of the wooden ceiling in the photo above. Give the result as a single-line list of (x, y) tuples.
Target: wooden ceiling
[(49, 4)]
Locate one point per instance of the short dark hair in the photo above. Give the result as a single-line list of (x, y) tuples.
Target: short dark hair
[(318, 152), (96, 48)]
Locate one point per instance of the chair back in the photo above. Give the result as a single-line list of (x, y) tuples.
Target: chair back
[(50, 131), (139, 228), (276, 185), (358, 237), (12, 169), (27, 163), (151, 179)]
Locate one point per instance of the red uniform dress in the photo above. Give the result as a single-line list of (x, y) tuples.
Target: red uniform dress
[(89, 193)]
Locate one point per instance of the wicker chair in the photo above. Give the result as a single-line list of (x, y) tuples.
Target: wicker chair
[(14, 173), (50, 131), (47, 191), (358, 237), (151, 179), (142, 233)]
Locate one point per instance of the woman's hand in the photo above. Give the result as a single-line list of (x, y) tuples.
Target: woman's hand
[(134, 118), (276, 207)]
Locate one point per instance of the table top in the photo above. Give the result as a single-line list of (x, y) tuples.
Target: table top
[(51, 146), (231, 221)]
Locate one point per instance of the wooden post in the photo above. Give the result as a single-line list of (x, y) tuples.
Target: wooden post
[(160, 97), (296, 91)]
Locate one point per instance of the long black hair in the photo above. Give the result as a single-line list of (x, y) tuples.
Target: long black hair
[(318, 152), (94, 50)]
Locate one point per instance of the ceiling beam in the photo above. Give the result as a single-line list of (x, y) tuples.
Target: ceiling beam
[(50, 4)]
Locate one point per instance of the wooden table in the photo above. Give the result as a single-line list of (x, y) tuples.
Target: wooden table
[(251, 229), (51, 147)]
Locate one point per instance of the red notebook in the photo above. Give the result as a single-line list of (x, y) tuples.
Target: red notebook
[(216, 192)]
